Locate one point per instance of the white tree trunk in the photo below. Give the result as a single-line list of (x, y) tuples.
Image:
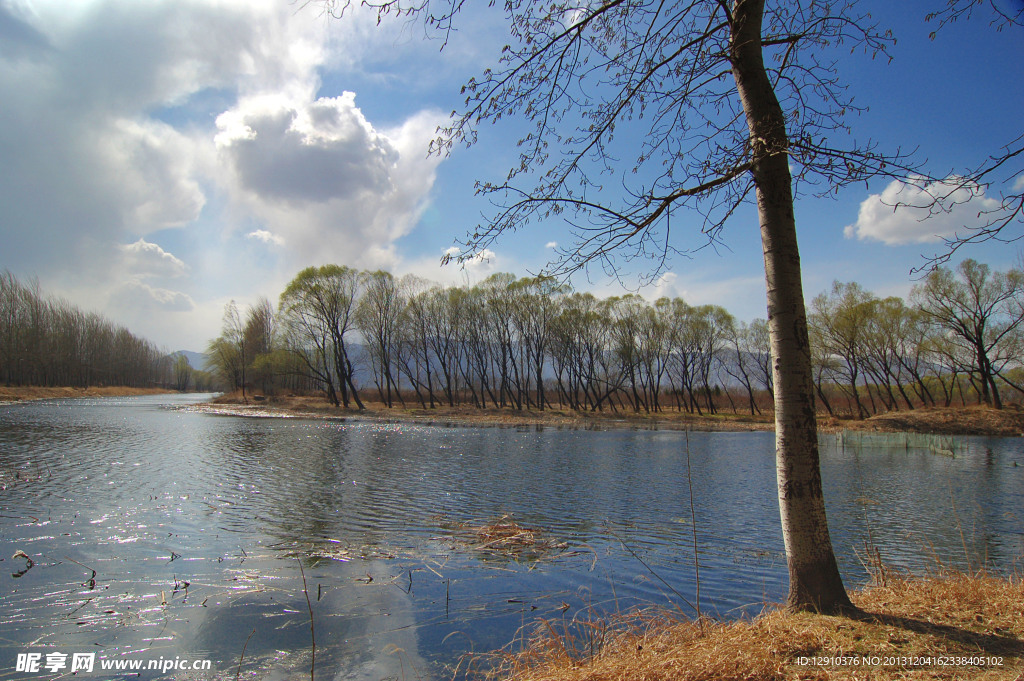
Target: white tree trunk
[(814, 581)]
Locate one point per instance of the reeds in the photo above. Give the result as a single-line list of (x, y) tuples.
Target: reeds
[(906, 629)]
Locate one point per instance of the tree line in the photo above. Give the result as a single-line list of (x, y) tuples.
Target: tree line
[(534, 343), (46, 341)]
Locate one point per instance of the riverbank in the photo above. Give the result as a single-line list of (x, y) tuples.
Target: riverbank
[(23, 393), (948, 627), (973, 420)]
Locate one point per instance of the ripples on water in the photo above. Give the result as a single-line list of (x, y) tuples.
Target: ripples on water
[(194, 525)]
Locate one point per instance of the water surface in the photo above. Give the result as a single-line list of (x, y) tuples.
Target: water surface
[(196, 527)]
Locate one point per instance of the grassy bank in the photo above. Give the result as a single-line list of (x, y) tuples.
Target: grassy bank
[(972, 420), (949, 627), (21, 393)]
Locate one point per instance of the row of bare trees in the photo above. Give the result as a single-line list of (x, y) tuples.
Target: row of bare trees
[(523, 343), (534, 343), (49, 342), (958, 339)]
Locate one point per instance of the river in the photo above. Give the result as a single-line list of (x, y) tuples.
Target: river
[(159, 532)]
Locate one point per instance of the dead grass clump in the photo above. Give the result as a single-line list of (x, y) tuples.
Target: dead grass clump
[(504, 537), (907, 629)]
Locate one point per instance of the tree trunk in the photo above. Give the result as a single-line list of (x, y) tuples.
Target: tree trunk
[(814, 580)]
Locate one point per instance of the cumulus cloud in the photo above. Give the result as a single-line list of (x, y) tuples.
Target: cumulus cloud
[(93, 152), (667, 286), (446, 268), (152, 172), (481, 265), (137, 296), (903, 213), (121, 119), (266, 237), (317, 173), (145, 260), (551, 245), (477, 261), (306, 152)]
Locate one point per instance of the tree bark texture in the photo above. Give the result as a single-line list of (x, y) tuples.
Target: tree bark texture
[(814, 580)]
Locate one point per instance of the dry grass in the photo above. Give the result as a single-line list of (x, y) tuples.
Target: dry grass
[(943, 617), (503, 537), (972, 420), (21, 393)]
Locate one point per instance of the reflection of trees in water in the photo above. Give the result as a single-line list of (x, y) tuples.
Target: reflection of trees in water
[(366, 632), (296, 482)]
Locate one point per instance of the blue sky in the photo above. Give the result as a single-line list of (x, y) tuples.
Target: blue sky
[(163, 158)]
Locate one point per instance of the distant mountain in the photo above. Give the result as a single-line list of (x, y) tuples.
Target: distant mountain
[(197, 360)]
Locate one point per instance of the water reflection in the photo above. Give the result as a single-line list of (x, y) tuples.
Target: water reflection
[(195, 526)]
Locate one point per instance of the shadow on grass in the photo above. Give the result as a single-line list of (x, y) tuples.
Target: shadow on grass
[(995, 644)]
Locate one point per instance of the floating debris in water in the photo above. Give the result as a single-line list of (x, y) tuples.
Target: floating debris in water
[(504, 537), (28, 563)]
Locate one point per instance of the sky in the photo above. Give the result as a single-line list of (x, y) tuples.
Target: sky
[(160, 159)]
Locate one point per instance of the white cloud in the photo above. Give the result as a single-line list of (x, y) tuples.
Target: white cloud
[(901, 213), (666, 286), (266, 237), (481, 258), (467, 273), (318, 174), (551, 245), (150, 167), (144, 260), (95, 105), (136, 296), (477, 262), (141, 265), (304, 153), (109, 121)]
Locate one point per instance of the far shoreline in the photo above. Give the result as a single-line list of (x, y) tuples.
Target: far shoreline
[(959, 421), (28, 393), (973, 420)]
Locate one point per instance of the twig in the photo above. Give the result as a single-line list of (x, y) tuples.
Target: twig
[(242, 656), (693, 527), (92, 580), (312, 630), (649, 568)]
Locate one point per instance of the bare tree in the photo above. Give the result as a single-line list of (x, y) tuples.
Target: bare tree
[(721, 126), (377, 317), (982, 313), (318, 309), (840, 320)]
